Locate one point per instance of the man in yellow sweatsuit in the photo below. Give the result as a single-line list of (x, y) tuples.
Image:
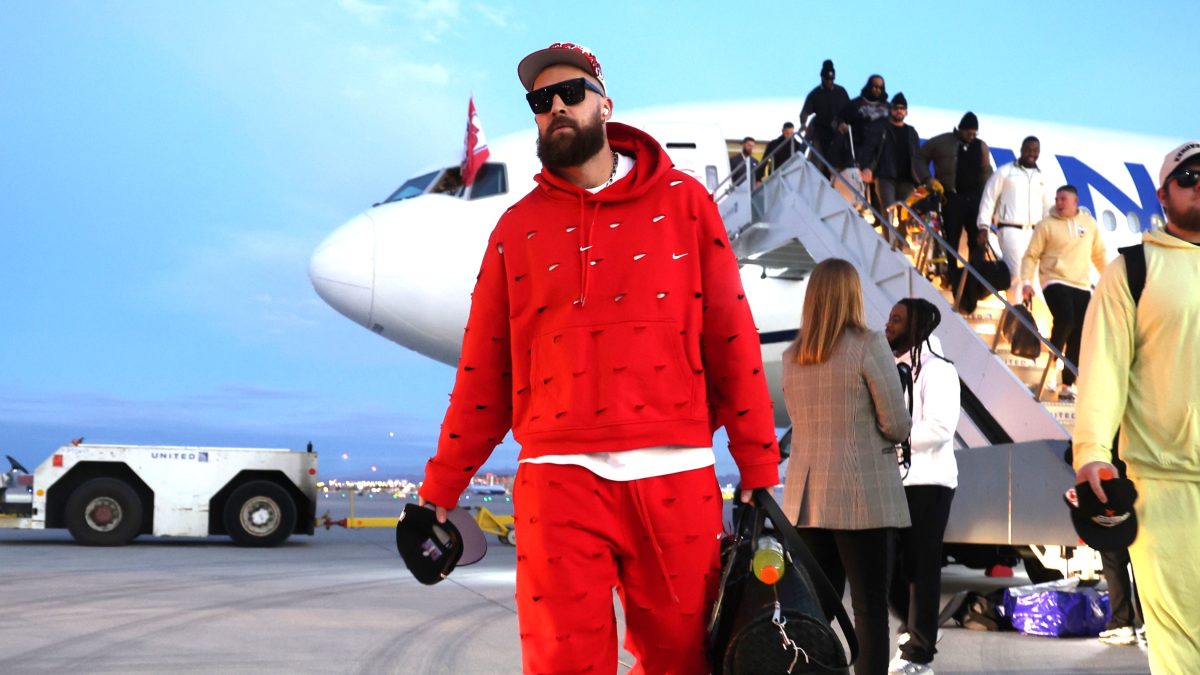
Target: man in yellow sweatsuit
[(1063, 249), (1137, 372)]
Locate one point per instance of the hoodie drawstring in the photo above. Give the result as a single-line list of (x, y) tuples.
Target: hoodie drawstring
[(585, 247), (648, 525)]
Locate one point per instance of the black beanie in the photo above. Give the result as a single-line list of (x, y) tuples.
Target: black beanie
[(899, 100), (969, 121), (827, 67)]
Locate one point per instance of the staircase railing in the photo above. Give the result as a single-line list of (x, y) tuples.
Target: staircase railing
[(896, 238), (929, 231)]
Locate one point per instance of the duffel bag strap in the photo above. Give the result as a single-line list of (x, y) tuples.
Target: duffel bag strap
[(830, 601)]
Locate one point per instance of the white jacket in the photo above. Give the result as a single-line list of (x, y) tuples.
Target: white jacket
[(935, 411), (1017, 196)]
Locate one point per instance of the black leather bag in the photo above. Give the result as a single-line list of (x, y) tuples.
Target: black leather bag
[(758, 628), (983, 259), (1023, 342)]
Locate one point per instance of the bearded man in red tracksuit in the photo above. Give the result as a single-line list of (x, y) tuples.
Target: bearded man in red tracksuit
[(610, 331)]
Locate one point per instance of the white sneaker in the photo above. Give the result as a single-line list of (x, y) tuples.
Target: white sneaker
[(1125, 635), (901, 640), (902, 667), (1066, 392)]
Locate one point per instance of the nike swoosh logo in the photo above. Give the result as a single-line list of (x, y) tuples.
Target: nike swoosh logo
[(584, 248), (677, 256)]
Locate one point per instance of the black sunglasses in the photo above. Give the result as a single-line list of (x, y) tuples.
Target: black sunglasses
[(571, 92), (1187, 178)]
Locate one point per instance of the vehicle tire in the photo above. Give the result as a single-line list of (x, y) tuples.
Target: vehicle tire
[(260, 514), (510, 537), (104, 512), (1039, 573)]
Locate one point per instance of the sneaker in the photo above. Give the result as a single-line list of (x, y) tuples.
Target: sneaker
[(1125, 635), (902, 667), (902, 639), (1066, 392)]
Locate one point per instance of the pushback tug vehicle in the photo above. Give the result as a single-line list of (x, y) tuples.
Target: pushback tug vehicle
[(106, 495)]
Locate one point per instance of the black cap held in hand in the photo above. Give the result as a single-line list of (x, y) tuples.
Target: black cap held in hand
[(1107, 526), (430, 549)]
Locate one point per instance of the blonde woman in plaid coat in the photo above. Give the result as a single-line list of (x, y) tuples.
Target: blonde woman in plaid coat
[(842, 488)]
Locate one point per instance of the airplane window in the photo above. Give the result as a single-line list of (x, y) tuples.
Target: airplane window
[(412, 187), (491, 180), (710, 177), (1109, 221), (1134, 221), (1157, 222), (450, 182)]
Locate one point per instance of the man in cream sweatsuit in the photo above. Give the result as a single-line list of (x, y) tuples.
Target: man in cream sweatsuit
[(1137, 372), (1062, 246)]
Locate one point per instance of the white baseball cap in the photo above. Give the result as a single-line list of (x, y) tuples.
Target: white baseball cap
[(1177, 158)]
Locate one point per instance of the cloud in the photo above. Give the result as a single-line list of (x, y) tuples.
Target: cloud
[(498, 16), (369, 13), (433, 18), (252, 282), (423, 73)]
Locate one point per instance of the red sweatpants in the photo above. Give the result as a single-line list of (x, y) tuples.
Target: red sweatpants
[(656, 540)]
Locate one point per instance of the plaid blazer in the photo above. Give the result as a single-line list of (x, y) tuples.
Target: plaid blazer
[(847, 415)]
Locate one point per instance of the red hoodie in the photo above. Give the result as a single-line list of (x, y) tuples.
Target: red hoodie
[(606, 322)]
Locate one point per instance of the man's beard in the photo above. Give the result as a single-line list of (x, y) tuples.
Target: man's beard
[(565, 150), (1187, 220)]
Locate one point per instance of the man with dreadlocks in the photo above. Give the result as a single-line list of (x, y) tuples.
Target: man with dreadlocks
[(929, 481)]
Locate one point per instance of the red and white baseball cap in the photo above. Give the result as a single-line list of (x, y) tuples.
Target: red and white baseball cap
[(567, 53)]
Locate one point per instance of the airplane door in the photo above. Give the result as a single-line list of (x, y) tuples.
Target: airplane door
[(697, 150)]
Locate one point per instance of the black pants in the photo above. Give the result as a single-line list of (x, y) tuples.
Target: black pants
[(892, 190), (959, 216), (1121, 594), (1068, 306), (862, 558), (917, 576)]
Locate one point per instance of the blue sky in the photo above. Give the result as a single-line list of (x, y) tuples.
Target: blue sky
[(167, 168)]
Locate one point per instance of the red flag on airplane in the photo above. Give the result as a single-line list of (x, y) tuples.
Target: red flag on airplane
[(476, 152)]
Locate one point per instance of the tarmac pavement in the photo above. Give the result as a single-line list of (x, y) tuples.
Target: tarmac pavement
[(340, 601)]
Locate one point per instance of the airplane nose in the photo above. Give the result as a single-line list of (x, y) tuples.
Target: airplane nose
[(342, 269)]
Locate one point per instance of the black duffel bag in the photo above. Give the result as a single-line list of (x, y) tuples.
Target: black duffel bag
[(984, 261), (1023, 341), (762, 629)]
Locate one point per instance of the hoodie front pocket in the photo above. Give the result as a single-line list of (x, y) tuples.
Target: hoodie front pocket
[(622, 373)]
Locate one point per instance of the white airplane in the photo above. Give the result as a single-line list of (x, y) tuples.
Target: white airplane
[(405, 268)]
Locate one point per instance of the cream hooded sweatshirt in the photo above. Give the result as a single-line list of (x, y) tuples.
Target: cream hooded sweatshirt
[(1137, 369), (1063, 250)]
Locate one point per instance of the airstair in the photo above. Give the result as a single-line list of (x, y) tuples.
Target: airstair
[(1010, 443)]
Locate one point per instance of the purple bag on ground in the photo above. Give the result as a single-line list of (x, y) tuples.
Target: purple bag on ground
[(1057, 609)]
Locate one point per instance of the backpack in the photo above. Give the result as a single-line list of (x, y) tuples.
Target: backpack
[(1135, 270)]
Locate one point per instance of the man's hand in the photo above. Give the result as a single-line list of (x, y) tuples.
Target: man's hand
[(843, 128), (936, 186), (1027, 293), (867, 176), (439, 512), (982, 237), (746, 496), (1094, 472)]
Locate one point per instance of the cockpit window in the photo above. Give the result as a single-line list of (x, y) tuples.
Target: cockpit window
[(492, 179), (413, 187)]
